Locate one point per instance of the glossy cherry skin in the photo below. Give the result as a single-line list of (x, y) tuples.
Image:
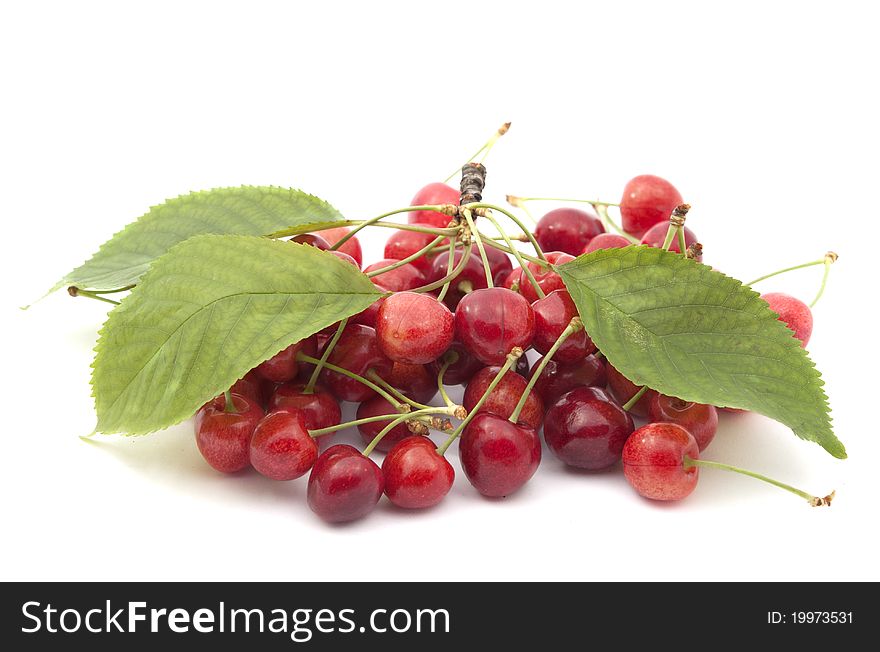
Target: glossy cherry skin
[(653, 461), (497, 456), (606, 241), (311, 239), (281, 448), (413, 328), (568, 230), (646, 201), (504, 397), (460, 371), (223, 437), (492, 321), (553, 314), (471, 277), (357, 350), (414, 380), (282, 366), (547, 280), (405, 277), (698, 419), (352, 246), (344, 485), (586, 429), (377, 406), (433, 194), (656, 236), (623, 390), (402, 244), (416, 475), (557, 379), (792, 312), (319, 409)]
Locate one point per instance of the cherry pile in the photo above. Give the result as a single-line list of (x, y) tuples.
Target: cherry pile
[(456, 313)]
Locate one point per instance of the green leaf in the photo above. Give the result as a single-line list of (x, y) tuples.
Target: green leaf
[(208, 311), (246, 210), (685, 330)]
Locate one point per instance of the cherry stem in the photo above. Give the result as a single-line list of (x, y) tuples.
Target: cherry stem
[(476, 236), (682, 243), (635, 398), (670, 236), (449, 267), (322, 226), (449, 359), (519, 258), (90, 294), (815, 501), (229, 408), (574, 326), (381, 382), (513, 200), (318, 432), (397, 421), (830, 257), (511, 250), (788, 269), (512, 357), (516, 221), (487, 147), (602, 211), (450, 276), (313, 379), (345, 372), (400, 263)]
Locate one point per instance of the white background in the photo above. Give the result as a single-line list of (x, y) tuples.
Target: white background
[(763, 114)]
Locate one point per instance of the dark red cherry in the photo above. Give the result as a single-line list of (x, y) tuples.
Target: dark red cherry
[(416, 475), (344, 485), (586, 429), (369, 315), (471, 277), (623, 390), (377, 406), (792, 312), (547, 280), (698, 419), (656, 236), (414, 380), (433, 194), (402, 244), (461, 370), (282, 366), (504, 397), (557, 379), (492, 321), (253, 387), (653, 461), (513, 277), (568, 230), (311, 239), (352, 246), (319, 408), (281, 448), (553, 314), (646, 201), (223, 437), (522, 367), (357, 350), (606, 241), (497, 456), (413, 328), (405, 277)]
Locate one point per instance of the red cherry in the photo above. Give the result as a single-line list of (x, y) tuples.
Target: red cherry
[(492, 321), (405, 277), (653, 461), (606, 241), (282, 366), (792, 312), (377, 406), (552, 316), (499, 263), (656, 236), (504, 397), (433, 194), (471, 277), (252, 387), (357, 350), (568, 230), (499, 457), (547, 280), (344, 256), (514, 276), (698, 419), (413, 328), (281, 448), (586, 429), (460, 371), (319, 409), (402, 244), (352, 246), (623, 390), (646, 201), (344, 485), (557, 379), (416, 475), (369, 315), (223, 437), (414, 380), (311, 239)]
